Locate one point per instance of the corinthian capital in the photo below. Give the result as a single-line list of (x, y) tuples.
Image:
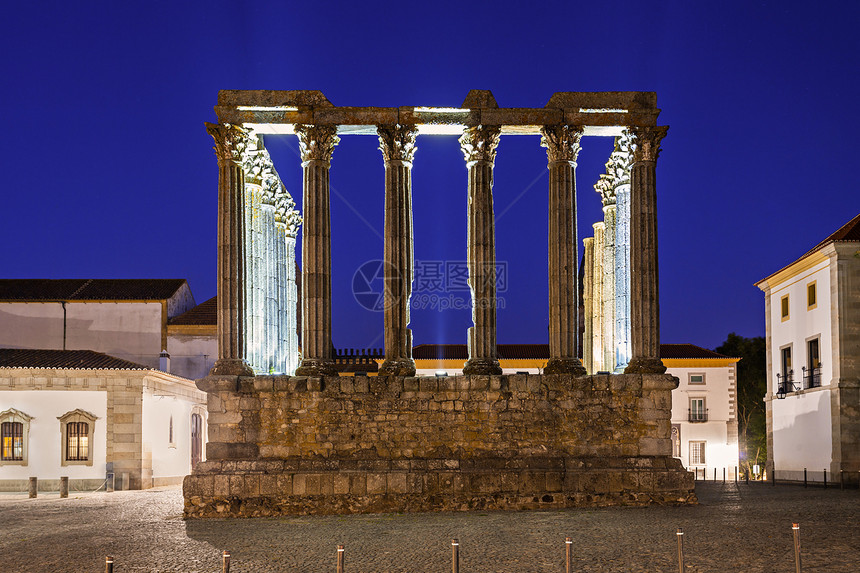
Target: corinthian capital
[(561, 142), (479, 143), (231, 141), (606, 187), (645, 142), (618, 166), (397, 142), (317, 142)]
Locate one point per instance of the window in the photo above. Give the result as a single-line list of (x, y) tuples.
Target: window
[(698, 412), (14, 430), (812, 370), (785, 379), (76, 428), (811, 296), (698, 378), (783, 308), (697, 453), (171, 443)]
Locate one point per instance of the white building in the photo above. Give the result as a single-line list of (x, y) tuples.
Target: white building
[(812, 314), (82, 414), (704, 409), (126, 318)]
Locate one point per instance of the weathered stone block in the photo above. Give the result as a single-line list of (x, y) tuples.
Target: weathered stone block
[(376, 483)]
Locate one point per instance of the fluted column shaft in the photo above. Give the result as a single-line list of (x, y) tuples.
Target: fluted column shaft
[(230, 142), (597, 342), (588, 304), (609, 287), (317, 144), (562, 143), (397, 143), (479, 148), (644, 293)]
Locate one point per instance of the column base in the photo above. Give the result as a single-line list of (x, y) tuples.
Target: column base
[(316, 367), (397, 367), (482, 366), (231, 367), (643, 365), (564, 366)]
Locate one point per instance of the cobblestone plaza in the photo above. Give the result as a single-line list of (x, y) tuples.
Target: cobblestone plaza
[(743, 528)]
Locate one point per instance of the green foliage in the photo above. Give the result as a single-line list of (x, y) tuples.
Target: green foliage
[(751, 388)]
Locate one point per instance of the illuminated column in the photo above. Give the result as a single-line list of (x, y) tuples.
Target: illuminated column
[(230, 143), (562, 148), (397, 143), (607, 195), (644, 293), (287, 221), (597, 299), (619, 168), (269, 278), (317, 143), (588, 304), (479, 148)]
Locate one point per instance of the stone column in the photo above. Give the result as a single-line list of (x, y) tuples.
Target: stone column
[(607, 195), (588, 304), (397, 143), (597, 341), (644, 293), (619, 168), (230, 143), (479, 148), (317, 144), (562, 149), (269, 279)]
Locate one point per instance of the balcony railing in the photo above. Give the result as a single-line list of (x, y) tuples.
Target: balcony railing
[(785, 384), (811, 377), (697, 415)]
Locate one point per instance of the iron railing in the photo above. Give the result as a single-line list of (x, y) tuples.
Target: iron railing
[(811, 377), (785, 383), (697, 415)]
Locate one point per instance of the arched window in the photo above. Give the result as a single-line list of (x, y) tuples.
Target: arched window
[(77, 433), (14, 431), (171, 443)]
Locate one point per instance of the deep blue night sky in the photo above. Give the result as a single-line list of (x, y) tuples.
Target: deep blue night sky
[(109, 173)]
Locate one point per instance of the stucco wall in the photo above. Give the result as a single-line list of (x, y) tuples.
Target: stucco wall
[(192, 355), (171, 461), (802, 433), (45, 441)]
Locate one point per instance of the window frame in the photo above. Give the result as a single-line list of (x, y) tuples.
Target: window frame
[(704, 458), (784, 309), (690, 378), (77, 416), (16, 416), (814, 303), (702, 413)]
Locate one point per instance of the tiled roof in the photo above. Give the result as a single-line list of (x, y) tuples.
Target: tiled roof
[(541, 351), (848, 232), (69, 359), (688, 351), (89, 289), (205, 313)]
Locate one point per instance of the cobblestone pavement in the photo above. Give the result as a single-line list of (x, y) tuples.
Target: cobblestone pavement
[(735, 528)]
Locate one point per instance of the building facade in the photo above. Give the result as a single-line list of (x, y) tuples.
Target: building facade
[(83, 414), (812, 317)]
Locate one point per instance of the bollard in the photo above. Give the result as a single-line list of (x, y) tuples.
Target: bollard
[(747, 474), (455, 556), (724, 475), (225, 562), (567, 549), (841, 479), (340, 557), (804, 477), (680, 534), (715, 474), (796, 528), (736, 475), (825, 478), (109, 483), (64, 486), (109, 564), (34, 487)]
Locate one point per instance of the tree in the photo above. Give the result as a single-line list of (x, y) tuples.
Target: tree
[(751, 388)]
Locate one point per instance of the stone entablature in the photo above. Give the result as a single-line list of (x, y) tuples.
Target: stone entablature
[(456, 442)]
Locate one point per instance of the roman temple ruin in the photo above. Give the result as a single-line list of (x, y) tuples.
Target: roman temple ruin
[(291, 437)]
